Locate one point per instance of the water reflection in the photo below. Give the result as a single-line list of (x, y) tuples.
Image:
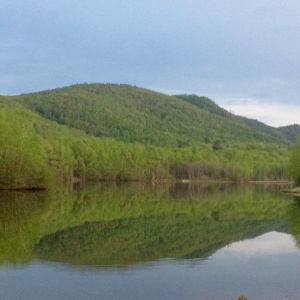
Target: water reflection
[(294, 220), (21, 224), (271, 243), (125, 224)]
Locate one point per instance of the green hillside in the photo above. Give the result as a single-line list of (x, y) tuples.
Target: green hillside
[(133, 114), (119, 132), (206, 104), (291, 132), (288, 133), (294, 163)]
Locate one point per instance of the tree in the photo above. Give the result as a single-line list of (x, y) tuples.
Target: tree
[(294, 166), (217, 145), (21, 152)]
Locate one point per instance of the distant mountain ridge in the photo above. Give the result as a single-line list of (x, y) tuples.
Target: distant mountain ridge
[(132, 114), (289, 132)]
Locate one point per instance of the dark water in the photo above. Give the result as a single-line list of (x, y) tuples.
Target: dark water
[(143, 241)]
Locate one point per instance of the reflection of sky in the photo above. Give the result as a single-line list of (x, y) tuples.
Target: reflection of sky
[(272, 243), (268, 267)]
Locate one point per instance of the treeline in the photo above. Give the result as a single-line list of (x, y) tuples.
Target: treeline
[(206, 104), (34, 152), (106, 159), (294, 165), (22, 152), (291, 132), (23, 148), (123, 131), (288, 133)]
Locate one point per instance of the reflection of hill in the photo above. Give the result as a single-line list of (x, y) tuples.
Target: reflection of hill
[(139, 223), (252, 230), (294, 220), (109, 202), (129, 241), (21, 224), (129, 223)]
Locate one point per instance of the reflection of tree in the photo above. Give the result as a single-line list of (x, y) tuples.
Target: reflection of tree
[(128, 223), (21, 224), (134, 240), (133, 223), (294, 220)]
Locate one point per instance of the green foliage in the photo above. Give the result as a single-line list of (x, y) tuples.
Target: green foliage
[(206, 104), (217, 145), (29, 159), (287, 133), (121, 224), (294, 165), (34, 149), (21, 217), (293, 219), (132, 114), (263, 128), (106, 159), (291, 132), (143, 239), (21, 152)]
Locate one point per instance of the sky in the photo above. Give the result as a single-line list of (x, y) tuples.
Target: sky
[(244, 55)]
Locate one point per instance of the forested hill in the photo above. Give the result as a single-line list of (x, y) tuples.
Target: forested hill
[(289, 133), (97, 131), (133, 114)]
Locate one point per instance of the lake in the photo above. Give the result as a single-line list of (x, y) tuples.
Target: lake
[(150, 241)]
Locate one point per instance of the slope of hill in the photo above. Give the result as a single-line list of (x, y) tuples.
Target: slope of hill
[(25, 146), (288, 133), (133, 114), (206, 104), (83, 132), (291, 132)]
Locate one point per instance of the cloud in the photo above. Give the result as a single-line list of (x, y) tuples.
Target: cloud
[(272, 243), (271, 113), (205, 48)]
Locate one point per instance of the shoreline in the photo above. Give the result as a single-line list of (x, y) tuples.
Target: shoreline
[(295, 190)]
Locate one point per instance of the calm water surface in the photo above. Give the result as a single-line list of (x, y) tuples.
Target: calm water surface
[(143, 241)]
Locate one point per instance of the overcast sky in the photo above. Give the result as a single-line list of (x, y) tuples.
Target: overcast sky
[(245, 55)]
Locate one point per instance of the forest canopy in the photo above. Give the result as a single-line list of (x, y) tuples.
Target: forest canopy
[(295, 162), (120, 132)]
